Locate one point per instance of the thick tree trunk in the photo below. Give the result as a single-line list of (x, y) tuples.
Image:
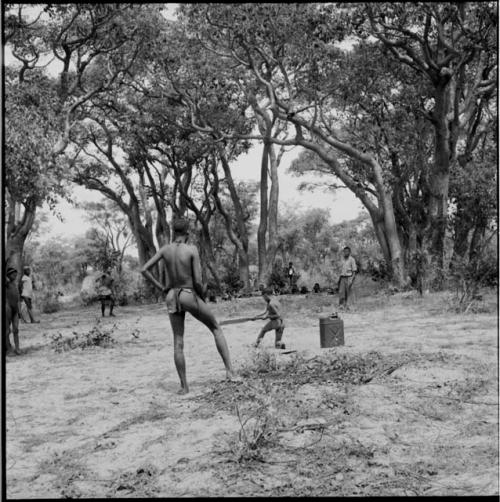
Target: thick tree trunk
[(378, 226), (477, 238), (18, 229), (145, 247), (390, 228), (439, 179), (272, 230), (207, 257), (14, 253)]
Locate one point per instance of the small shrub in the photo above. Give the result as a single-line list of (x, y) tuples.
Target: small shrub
[(262, 361), (49, 303), (469, 276), (257, 431), (96, 337), (230, 279), (122, 300)]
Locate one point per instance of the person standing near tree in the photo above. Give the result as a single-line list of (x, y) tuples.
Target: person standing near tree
[(185, 293), (27, 293), (348, 270), (291, 273), (11, 312), (105, 289)]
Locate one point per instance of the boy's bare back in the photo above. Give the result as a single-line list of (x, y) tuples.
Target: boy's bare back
[(178, 259)]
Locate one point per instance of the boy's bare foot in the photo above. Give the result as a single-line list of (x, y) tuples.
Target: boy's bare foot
[(232, 377), (182, 391)]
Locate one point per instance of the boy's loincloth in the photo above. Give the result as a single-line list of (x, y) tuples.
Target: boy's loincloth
[(174, 303)]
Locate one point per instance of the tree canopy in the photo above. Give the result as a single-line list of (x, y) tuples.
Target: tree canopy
[(394, 102)]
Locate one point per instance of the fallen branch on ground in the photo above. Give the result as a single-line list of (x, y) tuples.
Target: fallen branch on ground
[(457, 399), (385, 371)]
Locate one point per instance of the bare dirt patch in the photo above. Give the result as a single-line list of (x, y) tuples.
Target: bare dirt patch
[(408, 406)]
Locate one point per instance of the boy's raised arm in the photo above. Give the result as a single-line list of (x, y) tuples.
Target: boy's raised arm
[(196, 271), (148, 275)]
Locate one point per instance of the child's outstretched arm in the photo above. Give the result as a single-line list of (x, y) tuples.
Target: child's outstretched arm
[(261, 316)]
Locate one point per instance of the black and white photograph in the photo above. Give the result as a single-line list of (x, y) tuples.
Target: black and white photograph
[(250, 250)]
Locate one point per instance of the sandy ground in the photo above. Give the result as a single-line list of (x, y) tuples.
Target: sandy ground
[(107, 422)]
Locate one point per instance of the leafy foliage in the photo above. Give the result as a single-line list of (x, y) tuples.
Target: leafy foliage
[(29, 136), (96, 337)]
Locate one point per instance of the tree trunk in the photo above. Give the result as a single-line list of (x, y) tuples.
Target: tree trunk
[(262, 230), (439, 179), (207, 257), (477, 238), (162, 231), (243, 269), (378, 226), (240, 223), (145, 247), (463, 226), (390, 228), (272, 245), (18, 230)]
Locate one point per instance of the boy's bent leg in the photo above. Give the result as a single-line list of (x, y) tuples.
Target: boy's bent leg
[(279, 336), (200, 310), (267, 327), (260, 336), (177, 323)]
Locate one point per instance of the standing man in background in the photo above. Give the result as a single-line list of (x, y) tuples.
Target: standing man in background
[(27, 293), (105, 288), (348, 270), (291, 273)]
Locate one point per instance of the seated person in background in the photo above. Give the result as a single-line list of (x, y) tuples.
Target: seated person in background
[(316, 288)]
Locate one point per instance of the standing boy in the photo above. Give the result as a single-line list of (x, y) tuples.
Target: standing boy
[(276, 322), (348, 269), (185, 293), (27, 293)]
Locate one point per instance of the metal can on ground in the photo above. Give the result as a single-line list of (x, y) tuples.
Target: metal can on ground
[(331, 331)]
